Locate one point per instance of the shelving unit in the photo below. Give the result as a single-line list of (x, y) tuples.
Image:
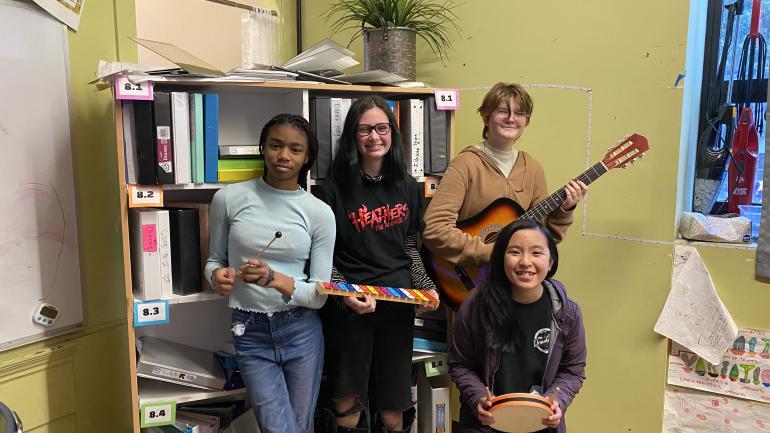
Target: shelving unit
[(202, 320), (154, 391)]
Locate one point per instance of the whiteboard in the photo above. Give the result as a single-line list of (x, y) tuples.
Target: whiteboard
[(39, 258)]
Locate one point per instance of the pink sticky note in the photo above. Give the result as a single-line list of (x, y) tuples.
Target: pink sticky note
[(149, 238)]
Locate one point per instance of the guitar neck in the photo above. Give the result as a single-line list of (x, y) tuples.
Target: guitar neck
[(545, 207)]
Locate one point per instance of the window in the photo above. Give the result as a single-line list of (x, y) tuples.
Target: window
[(723, 82)]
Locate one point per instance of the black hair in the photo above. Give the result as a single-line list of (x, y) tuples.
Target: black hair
[(495, 298), (345, 168), (302, 125)]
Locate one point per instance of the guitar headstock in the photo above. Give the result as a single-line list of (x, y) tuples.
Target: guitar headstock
[(626, 151)]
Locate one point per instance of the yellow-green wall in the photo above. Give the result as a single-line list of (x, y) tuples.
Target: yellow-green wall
[(610, 65), (621, 59), (79, 382)]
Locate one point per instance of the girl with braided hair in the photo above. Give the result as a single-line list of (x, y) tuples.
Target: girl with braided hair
[(277, 331)]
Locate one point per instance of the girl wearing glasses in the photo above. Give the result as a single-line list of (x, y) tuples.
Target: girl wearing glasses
[(377, 207), (487, 171)]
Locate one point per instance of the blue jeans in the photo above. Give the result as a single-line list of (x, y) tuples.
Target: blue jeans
[(280, 356)]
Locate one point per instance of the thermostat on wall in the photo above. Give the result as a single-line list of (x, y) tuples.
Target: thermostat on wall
[(45, 314)]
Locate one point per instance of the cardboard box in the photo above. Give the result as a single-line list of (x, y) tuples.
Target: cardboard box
[(433, 414)]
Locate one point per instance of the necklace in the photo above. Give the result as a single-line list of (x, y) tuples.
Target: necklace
[(371, 178)]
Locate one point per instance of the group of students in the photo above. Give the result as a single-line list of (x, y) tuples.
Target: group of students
[(518, 333)]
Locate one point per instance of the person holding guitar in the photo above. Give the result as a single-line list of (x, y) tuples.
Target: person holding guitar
[(517, 334), (377, 206), (485, 172)]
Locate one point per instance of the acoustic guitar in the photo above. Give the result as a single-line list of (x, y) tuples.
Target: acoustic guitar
[(455, 282)]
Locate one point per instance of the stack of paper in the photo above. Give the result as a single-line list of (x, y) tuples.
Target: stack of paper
[(266, 74), (323, 56), (377, 76)]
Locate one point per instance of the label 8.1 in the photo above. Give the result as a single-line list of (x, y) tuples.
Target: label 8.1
[(447, 99), (125, 89)]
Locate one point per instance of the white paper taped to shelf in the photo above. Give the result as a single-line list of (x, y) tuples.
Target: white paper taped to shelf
[(694, 316)]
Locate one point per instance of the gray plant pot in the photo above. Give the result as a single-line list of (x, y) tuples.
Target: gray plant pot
[(393, 50)]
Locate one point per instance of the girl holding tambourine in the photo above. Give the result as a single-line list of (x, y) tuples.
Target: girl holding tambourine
[(519, 334)]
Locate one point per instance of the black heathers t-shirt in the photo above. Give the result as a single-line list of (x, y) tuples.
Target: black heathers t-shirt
[(524, 366), (373, 218)]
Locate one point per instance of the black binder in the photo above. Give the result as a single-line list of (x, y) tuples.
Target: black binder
[(164, 144), (185, 251), (437, 151), (320, 123), (144, 146)]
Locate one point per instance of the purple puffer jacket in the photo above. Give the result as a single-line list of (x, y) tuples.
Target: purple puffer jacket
[(473, 364)]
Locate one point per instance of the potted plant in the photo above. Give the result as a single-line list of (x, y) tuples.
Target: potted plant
[(390, 27)]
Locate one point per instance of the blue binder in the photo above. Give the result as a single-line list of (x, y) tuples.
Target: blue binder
[(210, 136)]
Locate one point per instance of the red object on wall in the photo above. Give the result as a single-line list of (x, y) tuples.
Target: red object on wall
[(743, 168)]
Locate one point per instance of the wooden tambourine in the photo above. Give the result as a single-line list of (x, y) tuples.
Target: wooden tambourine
[(520, 412)]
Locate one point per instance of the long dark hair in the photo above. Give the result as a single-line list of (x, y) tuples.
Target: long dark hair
[(345, 168), (300, 124), (499, 322)]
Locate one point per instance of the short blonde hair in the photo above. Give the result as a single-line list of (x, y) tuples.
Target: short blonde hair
[(504, 92)]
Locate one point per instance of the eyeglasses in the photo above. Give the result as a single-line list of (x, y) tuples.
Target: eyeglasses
[(380, 128), (502, 113)]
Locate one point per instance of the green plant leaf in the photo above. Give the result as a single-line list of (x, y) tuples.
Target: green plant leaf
[(432, 20)]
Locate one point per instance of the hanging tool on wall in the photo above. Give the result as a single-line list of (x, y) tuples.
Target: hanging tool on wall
[(715, 139), (743, 167)]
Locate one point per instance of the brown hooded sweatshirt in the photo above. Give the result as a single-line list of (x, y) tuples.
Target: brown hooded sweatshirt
[(471, 183)]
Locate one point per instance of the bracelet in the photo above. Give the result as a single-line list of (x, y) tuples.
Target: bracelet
[(269, 278)]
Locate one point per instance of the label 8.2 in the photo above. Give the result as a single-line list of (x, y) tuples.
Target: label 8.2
[(145, 196)]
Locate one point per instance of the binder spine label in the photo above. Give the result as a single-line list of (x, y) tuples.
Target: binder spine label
[(164, 148), (149, 238), (174, 374)]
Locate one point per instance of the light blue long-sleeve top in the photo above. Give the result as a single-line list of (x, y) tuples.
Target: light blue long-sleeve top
[(244, 218)]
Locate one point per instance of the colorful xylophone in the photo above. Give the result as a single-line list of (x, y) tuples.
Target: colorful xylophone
[(410, 296)]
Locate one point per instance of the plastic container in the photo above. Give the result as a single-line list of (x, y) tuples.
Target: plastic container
[(752, 212)]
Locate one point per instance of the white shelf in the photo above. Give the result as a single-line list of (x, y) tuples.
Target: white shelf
[(730, 246), (178, 186), (423, 355), (154, 391), (203, 296)]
